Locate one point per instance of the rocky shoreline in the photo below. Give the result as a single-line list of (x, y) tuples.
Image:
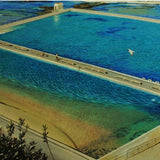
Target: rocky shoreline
[(88, 5)]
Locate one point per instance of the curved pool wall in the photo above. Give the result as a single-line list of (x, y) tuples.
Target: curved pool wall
[(100, 40)]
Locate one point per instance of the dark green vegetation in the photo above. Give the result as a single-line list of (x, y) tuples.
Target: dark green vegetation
[(45, 10), (88, 5), (12, 147)]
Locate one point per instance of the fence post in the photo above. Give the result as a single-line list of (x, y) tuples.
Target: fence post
[(127, 155)]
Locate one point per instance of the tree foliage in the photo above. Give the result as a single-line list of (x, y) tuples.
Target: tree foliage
[(16, 148)]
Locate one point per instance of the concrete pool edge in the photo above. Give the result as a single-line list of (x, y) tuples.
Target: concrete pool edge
[(116, 15), (27, 20), (107, 74), (123, 151)]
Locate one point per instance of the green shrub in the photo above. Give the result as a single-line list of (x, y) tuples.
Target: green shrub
[(13, 148)]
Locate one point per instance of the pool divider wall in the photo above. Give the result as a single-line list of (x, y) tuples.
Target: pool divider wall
[(27, 20), (107, 74), (115, 15)]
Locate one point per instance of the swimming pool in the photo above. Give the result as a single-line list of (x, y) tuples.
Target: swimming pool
[(100, 40), (98, 102)]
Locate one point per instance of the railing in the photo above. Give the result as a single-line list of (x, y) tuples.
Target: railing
[(135, 150)]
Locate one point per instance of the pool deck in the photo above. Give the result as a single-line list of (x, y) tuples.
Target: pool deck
[(113, 76)]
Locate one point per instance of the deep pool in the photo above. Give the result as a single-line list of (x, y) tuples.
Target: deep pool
[(96, 39)]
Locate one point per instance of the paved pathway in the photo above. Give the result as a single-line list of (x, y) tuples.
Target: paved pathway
[(135, 150), (27, 20), (116, 15), (152, 153)]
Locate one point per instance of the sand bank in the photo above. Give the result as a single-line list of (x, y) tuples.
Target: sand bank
[(61, 126), (92, 128)]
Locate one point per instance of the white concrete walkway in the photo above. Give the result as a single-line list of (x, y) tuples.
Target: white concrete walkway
[(113, 76), (116, 15)]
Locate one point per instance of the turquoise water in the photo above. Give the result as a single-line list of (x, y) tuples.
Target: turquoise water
[(99, 40), (74, 85)]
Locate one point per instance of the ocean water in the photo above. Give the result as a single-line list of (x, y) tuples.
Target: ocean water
[(143, 10), (95, 39)]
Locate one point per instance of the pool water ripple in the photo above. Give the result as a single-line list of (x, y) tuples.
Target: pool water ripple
[(104, 45)]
